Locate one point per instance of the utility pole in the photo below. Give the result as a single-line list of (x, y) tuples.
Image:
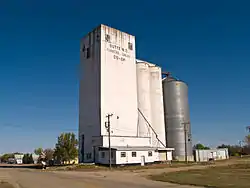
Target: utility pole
[(107, 125), (241, 147), (185, 137)]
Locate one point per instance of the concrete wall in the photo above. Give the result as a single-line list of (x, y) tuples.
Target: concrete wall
[(169, 155), (107, 85), (129, 159), (103, 157), (89, 97), (119, 158), (143, 97), (127, 141), (157, 110), (118, 82)]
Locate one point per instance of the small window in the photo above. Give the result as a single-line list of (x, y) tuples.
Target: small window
[(103, 154), (133, 154), (130, 46), (88, 155), (83, 49), (150, 154), (87, 53), (123, 154), (107, 38)]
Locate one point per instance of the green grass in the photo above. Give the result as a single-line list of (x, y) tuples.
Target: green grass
[(232, 176), (153, 166)]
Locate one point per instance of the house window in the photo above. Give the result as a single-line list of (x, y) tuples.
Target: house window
[(133, 154), (87, 53), (150, 154), (130, 46), (83, 49), (123, 154), (107, 38), (88, 155), (103, 154)]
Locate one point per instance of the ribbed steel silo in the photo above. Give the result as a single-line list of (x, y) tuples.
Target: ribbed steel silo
[(176, 111), (143, 98), (157, 110)]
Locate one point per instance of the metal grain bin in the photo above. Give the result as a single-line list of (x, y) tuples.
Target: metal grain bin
[(176, 112)]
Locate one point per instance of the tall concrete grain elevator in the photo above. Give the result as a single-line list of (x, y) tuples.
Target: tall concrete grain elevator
[(150, 102), (177, 118), (121, 115)]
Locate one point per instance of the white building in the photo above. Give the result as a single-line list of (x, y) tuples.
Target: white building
[(211, 154), (150, 103), (19, 158), (35, 158), (108, 85)]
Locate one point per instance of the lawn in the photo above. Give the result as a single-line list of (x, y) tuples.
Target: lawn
[(232, 176), (81, 167)]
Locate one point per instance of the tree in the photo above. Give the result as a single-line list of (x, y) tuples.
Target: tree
[(38, 151), (6, 156), (66, 147), (28, 159), (247, 140), (49, 153), (233, 150), (200, 146)]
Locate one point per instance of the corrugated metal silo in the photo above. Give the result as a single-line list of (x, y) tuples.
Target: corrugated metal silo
[(176, 109), (157, 109), (143, 98)]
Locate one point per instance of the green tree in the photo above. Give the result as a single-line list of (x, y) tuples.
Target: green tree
[(31, 159), (6, 156), (233, 150), (66, 147), (28, 159), (38, 151), (200, 146)]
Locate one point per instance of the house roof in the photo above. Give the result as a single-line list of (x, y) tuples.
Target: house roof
[(135, 148)]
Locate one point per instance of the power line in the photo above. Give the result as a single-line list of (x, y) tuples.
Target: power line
[(107, 125), (151, 128), (185, 138)]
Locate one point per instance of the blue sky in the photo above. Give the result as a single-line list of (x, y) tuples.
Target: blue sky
[(204, 43)]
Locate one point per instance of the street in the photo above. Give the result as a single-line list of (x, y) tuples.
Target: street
[(29, 178)]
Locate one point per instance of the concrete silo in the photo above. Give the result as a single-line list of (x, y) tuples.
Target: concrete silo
[(143, 98), (157, 110), (177, 118)]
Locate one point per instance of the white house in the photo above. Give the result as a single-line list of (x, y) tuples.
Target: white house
[(133, 155), (19, 158)]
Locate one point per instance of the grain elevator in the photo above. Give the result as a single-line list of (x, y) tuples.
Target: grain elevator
[(122, 102)]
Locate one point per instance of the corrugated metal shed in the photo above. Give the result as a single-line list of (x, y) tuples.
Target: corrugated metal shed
[(215, 154)]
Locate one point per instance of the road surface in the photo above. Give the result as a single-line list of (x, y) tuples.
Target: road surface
[(30, 178)]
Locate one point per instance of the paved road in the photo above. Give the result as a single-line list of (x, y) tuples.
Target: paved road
[(27, 178)]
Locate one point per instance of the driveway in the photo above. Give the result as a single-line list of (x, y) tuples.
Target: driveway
[(27, 178)]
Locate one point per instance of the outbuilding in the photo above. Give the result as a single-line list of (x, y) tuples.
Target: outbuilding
[(133, 155), (211, 154)]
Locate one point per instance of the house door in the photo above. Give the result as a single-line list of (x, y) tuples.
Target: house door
[(142, 160)]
